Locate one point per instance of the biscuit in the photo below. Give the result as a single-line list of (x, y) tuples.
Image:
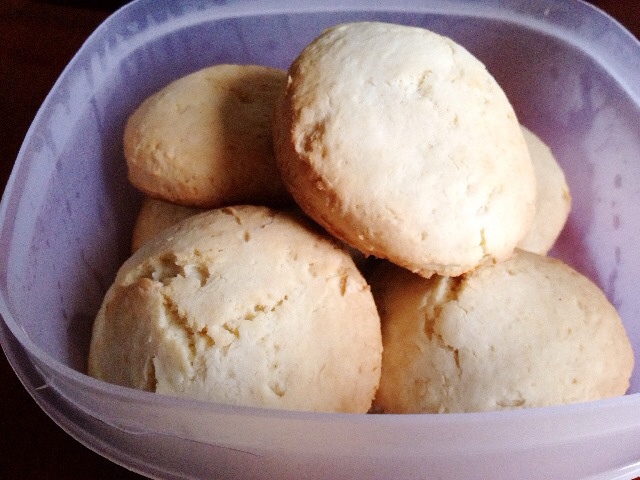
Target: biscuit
[(246, 306), (399, 142), (156, 215), (527, 332), (205, 139), (553, 200)]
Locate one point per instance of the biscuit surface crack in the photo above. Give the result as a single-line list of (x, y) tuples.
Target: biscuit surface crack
[(197, 340), (150, 375), (168, 267), (262, 309)]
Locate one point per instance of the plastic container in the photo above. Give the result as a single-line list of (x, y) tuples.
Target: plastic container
[(66, 216)]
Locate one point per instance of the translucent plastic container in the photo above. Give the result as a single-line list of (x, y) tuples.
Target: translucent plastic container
[(572, 74)]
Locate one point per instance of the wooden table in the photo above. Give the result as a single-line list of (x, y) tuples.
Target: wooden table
[(37, 39)]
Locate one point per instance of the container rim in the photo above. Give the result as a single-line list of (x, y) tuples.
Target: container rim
[(539, 15)]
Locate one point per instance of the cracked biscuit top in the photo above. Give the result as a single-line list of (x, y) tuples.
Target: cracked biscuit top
[(527, 332), (244, 306), (399, 142)]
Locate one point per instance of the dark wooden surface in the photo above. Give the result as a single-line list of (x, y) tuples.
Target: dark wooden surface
[(37, 39)]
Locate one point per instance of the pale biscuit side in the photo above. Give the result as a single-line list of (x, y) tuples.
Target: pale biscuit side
[(205, 139), (156, 215), (553, 199)]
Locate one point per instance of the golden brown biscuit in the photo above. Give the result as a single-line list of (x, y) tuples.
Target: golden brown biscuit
[(527, 332), (399, 142), (242, 305), (205, 139)]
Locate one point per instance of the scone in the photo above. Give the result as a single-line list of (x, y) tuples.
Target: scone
[(553, 200), (156, 215), (399, 142), (527, 332), (246, 306), (205, 139)]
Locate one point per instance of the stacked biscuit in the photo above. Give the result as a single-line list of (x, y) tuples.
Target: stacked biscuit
[(268, 194)]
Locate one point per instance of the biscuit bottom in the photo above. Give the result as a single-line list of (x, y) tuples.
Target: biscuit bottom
[(528, 332)]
